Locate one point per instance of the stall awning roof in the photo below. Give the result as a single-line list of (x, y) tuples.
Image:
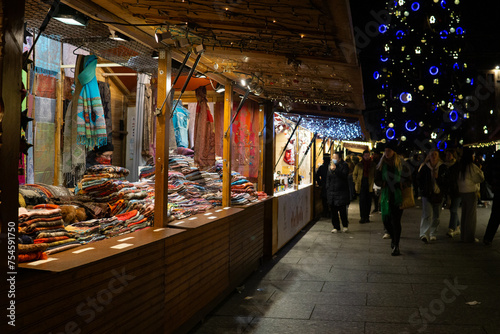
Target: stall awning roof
[(299, 53)]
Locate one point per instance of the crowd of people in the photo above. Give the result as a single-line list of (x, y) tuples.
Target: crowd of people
[(450, 179)]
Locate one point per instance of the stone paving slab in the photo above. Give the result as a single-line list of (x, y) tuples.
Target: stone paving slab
[(349, 283)]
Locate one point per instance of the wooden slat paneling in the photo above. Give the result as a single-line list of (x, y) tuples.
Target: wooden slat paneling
[(246, 243), (196, 273)]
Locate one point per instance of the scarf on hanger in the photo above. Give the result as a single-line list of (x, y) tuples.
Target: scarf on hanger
[(73, 153), (91, 125)]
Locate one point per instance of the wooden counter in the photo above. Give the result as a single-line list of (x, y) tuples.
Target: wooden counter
[(161, 280)]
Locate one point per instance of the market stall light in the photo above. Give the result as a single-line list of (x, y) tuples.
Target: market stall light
[(155, 55), (68, 15), (219, 88), (162, 35)]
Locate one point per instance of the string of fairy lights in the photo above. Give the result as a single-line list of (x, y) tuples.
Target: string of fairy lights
[(333, 128)]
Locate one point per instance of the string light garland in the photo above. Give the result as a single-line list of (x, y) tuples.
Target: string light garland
[(334, 128)]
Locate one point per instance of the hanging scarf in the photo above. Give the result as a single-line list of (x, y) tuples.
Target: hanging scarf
[(204, 153), (387, 194), (91, 125), (73, 153)]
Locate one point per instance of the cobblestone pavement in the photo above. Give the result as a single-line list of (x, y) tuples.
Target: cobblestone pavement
[(349, 283)]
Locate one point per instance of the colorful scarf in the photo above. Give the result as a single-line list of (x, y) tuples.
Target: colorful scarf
[(48, 57), (91, 124), (390, 190)]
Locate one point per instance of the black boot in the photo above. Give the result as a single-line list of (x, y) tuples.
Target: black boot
[(395, 251)]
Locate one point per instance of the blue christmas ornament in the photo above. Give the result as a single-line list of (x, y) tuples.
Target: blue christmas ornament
[(453, 116), (390, 133), (415, 6), (382, 28), (434, 70), (411, 126)]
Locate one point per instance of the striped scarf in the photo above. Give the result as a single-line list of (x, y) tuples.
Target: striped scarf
[(91, 125)]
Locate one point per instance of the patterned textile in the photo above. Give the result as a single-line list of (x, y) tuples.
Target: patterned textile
[(91, 125), (24, 249), (45, 86), (47, 56), (180, 120), (245, 141), (149, 122), (105, 93), (21, 258), (73, 153), (44, 139), (108, 169), (204, 152)]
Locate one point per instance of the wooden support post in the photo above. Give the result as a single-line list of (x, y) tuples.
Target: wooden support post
[(11, 49), (313, 177), (262, 124), (58, 126), (296, 165), (269, 149), (226, 147), (162, 136)]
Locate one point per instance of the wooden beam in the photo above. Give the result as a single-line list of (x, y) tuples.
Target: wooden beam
[(99, 13), (59, 121), (262, 124), (162, 140), (11, 57), (226, 146), (116, 81)]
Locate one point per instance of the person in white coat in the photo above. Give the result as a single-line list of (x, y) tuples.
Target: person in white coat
[(470, 177)]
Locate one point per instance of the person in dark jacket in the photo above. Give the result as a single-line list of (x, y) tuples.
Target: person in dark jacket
[(363, 176), (493, 178), (392, 175), (337, 190), (433, 182), (321, 174)]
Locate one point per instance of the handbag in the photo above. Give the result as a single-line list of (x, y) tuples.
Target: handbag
[(486, 193), (408, 201)]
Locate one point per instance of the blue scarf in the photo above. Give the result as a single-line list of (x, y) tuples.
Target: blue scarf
[(91, 125)]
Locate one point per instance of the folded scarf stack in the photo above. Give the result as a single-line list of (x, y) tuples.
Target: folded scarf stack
[(45, 227)]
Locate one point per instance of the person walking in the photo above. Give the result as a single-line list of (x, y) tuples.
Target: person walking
[(432, 180), (363, 176), (469, 178), (376, 189), (392, 175), (337, 190), (453, 194), (321, 174), (493, 178)]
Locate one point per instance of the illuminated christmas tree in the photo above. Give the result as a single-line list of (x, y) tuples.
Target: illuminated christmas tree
[(422, 81)]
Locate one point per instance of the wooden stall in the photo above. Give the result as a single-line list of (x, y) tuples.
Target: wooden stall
[(162, 279)]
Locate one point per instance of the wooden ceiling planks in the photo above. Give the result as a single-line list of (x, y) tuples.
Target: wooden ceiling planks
[(303, 51)]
